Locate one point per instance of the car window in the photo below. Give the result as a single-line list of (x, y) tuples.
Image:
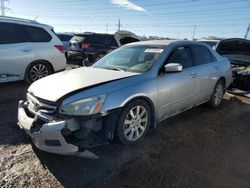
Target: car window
[(97, 39), (61, 37), (67, 37), (64, 37), (110, 41), (201, 55), (38, 34), (13, 33), (127, 40), (131, 58), (181, 55)]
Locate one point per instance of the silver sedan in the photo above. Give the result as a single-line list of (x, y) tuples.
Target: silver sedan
[(123, 95)]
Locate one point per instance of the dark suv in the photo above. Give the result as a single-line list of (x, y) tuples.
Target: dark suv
[(93, 46)]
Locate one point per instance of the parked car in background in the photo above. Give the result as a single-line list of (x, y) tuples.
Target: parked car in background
[(237, 50), (211, 42), (93, 46), (122, 95), (28, 50), (65, 38)]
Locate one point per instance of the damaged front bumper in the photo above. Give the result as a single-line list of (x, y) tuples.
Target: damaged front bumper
[(67, 136)]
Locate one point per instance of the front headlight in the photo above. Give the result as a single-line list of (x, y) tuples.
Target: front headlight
[(87, 106)]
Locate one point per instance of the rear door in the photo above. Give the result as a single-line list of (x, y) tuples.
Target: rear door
[(15, 48), (207, 69), (177, 91)]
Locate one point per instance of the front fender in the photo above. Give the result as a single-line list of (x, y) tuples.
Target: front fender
[(120, 98)]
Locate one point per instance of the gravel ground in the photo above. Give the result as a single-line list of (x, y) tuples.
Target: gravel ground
[(202, 147)]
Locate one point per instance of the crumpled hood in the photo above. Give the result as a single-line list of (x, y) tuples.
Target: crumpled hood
[(54, 87)]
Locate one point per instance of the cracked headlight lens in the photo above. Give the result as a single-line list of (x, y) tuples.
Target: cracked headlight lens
[(87, 106)]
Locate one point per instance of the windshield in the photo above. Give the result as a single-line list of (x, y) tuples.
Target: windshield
[(131, 58)]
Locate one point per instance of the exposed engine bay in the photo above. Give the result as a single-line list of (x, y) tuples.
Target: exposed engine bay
[(238, 52)]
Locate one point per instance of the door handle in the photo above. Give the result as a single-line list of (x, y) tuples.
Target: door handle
[(193, 75), (27, 50)]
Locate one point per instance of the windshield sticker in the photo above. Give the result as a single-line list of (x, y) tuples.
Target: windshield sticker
[(154, 50)]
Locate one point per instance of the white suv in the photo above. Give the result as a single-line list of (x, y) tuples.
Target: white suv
[(28, 50)]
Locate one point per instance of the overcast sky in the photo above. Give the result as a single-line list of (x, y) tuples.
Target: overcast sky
[(167, 18)]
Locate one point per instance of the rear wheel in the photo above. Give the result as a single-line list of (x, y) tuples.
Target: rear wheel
[(217, 95), (37, 71), (134, 122)]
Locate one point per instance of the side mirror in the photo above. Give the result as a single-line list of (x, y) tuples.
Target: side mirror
[(173, 67)]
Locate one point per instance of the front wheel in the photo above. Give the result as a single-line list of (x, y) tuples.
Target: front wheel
[(134, 122)]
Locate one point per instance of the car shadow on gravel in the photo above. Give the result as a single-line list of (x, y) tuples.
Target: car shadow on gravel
[(12, 91), (10, 94), (187, 141)]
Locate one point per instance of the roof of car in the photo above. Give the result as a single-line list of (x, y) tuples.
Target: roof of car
[(21, 20), (164, 42), (67, 34), (92, 33)]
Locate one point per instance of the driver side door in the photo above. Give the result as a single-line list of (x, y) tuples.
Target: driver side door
[(177, 91)]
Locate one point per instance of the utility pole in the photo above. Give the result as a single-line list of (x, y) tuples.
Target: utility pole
[(3, 8), (194, 32), (247, 31), (107, 26), (119, 25)]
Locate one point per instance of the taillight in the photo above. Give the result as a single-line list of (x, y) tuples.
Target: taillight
[(85, 45), (60, 48)]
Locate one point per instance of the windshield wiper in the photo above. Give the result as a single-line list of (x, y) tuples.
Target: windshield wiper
[(115, 68)]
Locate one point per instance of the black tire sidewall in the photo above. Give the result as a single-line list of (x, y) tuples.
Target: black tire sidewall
[(27, 74), (119, 132)]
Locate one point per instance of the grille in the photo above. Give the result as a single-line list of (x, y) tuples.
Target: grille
[(35, 106)]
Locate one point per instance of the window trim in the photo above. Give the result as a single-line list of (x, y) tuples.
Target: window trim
[(26, 28), (22, 26), (166, 58), (210, 54)]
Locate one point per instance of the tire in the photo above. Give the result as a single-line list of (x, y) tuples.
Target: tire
[(37, 71), (217, 95), (131, 128)]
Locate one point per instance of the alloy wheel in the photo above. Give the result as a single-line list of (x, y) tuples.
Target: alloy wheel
[(218, 94), (135, 123), (38, 71)]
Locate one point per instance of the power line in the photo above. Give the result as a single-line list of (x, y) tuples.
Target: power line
[(176, 17), (171, 13), (145, 5), (179, 15), (98, 12)]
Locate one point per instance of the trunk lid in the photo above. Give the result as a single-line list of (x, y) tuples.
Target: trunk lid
[(237, 50), (125, 37)]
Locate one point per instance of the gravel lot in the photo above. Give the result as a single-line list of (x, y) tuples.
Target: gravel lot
[(200, 148)]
